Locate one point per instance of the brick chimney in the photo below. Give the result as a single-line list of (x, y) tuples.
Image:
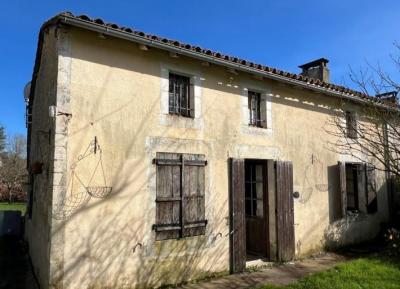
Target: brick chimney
[(316, 69)]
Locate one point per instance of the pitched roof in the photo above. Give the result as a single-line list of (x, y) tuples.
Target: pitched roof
[(84, 21)]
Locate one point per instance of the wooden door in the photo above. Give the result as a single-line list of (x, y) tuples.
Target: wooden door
[(237, 216), (256, 208), (284, 211)]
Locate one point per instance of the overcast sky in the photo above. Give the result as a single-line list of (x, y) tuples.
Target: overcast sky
[(282, 34)]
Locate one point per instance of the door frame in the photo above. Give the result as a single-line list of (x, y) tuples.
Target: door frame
[(266, 208), (276, 183)]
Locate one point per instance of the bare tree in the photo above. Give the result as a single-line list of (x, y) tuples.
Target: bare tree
[(13, 166), (372, 130)]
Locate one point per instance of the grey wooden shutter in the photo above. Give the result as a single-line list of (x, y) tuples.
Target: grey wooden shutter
[(237, 216), (371, 194), (168, 200), (284, 211), (361, 186), (342, 188), (193, 194), (263, 110)]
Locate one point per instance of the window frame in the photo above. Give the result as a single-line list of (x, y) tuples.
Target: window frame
[(355, 167), (265, 128), (257, 121), (189, 110), (351, 124), (365, 191)]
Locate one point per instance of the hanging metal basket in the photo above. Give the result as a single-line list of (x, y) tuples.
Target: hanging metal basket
[(99, 191)]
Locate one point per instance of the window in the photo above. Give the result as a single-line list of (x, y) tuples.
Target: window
[(352, 186), (254, 99), (351, 125), (358, 188), (181, 100), (256, 108), (180, 200)]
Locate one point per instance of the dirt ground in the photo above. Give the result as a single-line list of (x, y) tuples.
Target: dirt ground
[(15, 268)]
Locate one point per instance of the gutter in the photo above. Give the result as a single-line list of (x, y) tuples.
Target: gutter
[(80, 23)]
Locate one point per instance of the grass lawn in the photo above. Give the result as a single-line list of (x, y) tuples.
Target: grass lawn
[(366, 273), (4, 206)]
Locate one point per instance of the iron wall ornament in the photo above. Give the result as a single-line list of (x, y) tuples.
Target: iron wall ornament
[(98, 191), (74, 201)]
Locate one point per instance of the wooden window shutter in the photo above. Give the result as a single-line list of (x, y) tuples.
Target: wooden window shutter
[(284, 211), (362, 187), (263, 111), (371, 193), (168, 200), (180, 197), (193, 194), (237, 222), (342, 189)]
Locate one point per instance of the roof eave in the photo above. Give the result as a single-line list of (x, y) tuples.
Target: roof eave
[(201, 56)]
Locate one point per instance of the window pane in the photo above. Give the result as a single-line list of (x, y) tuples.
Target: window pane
[(179, 92), (248, 172), (248, 190), (248, 207), (254, 190), (259, 191), (259, 176), (254, 108), (260, 209)]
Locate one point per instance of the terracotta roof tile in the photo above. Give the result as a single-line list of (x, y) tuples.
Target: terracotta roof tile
[(233, 59)]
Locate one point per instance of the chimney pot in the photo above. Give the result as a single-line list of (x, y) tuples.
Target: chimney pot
[(317, 69), (389, 97)]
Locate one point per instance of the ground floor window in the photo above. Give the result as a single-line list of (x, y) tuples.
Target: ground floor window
[(358, 188), (180, 196), (352, 179)]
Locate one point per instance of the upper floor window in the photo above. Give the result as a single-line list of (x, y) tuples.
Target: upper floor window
[(351, 125), (256, 106), (181, 100), (255, 109)]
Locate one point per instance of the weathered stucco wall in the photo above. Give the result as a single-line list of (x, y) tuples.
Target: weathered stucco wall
[(41, 150), (115, 94)]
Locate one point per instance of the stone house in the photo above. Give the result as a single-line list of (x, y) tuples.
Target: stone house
[(153, 161)]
